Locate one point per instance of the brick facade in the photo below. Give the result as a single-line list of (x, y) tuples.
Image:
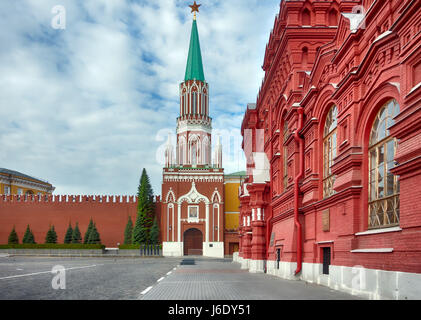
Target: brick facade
[(110, 213), (316, 59)]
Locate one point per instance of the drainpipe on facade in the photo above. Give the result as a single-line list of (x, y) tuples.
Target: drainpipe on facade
[(300, 140)]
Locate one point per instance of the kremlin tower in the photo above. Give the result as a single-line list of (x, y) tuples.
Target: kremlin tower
[(193, 187)]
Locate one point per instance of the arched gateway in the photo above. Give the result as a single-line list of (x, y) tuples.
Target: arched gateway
[(193, 242)]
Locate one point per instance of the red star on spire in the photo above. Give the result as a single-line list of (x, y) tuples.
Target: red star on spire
[(195, 7)]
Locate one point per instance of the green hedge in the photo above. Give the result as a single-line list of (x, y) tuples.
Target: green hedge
[(135, 246), (76, 246)]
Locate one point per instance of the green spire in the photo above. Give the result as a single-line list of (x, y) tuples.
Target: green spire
[(194, 69)]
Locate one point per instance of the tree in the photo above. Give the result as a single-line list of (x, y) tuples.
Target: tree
[(94, 237), (88, 232), (140, 234), (28, 237), (69, 234), (51, 236), (13, 237), (76, 236), (26, 234), (128, 232), (48, 236), (31, 238), (154, 234), (145, 210)]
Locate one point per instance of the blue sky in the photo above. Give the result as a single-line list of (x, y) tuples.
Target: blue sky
[(88, 107)]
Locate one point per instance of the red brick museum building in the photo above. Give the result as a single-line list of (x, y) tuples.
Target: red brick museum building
[(333, 147)]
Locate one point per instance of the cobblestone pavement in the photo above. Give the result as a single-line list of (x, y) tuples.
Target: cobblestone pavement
[(200, 278), (191, 278), (30, 278)]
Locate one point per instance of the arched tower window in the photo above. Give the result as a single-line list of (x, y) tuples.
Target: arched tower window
[(194, 102), (306, 18), (194, 151), (383, 185), (184, 102), (329, 150), (203, 102), (205, 152), (182, 150), (194, 154), (206, 104)]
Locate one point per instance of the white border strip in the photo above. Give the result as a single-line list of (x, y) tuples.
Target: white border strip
[(375, 231), (42, 272), (378, 250), (146, 290)]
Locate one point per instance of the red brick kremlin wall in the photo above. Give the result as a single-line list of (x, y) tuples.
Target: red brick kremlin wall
[(110, 213)]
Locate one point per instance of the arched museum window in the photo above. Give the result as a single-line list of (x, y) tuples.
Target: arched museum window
[(383, 198), (329, 150)]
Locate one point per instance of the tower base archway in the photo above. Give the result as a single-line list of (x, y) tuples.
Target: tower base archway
[(193, 242)]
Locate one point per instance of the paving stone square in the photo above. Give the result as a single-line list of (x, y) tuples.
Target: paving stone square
[(190, 278), (222, 279)]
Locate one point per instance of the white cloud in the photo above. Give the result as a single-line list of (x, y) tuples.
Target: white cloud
[(81, 107)]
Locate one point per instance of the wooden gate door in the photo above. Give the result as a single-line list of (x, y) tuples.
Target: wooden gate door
[(233, 247), (193, 242)]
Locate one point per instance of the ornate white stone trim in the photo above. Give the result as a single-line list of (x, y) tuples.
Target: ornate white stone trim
[(193, 196), (216, 194), (170, 193), (183, 177)]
